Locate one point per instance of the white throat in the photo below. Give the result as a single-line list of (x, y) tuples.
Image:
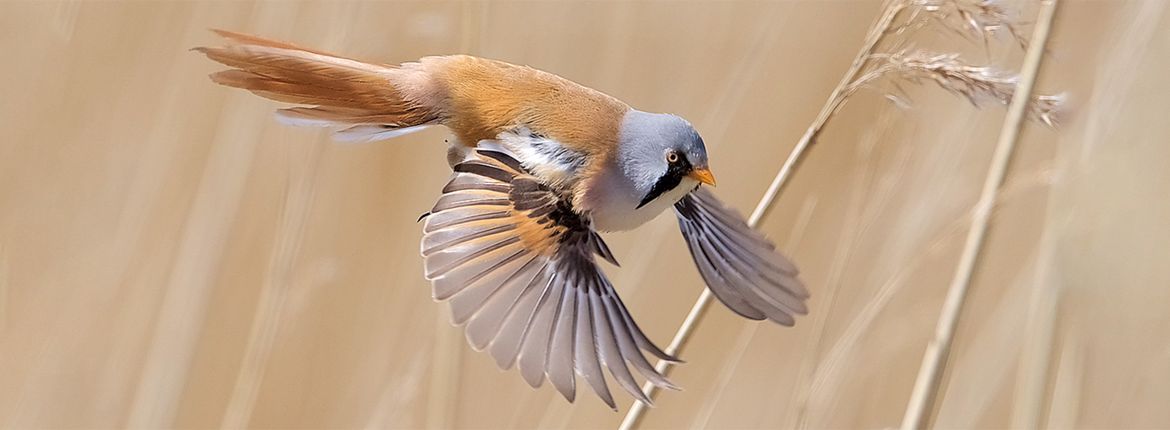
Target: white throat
[(612, 200)]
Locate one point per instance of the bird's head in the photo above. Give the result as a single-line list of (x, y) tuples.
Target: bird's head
[(660, 152)]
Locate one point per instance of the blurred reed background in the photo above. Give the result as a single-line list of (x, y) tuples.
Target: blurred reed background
[(171, 257)]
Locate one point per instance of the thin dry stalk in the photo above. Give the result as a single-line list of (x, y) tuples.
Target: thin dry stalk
[(703, 417), (749, 332), (829, 370), (898, 17), (1036, 363), (444, 385), (184, 307), (926, 386), (992, 346), (836, 100), (860, 208), (1068, 384), (3, 288), (1040, 329), (274, 292)]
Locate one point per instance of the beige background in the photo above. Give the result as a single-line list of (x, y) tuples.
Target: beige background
[(169, 256)]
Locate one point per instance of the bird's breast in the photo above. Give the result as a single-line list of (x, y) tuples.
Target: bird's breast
[(612, 202)]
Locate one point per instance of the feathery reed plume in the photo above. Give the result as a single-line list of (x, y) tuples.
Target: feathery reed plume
[(981, 21), (975, 83), (884, 54), (977, 20)]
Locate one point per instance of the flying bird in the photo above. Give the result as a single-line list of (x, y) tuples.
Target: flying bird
[(541, 165)]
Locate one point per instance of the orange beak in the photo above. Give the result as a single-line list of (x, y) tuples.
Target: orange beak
[(703, 175)]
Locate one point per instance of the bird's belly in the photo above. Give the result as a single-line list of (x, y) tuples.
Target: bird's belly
[(615, 211)]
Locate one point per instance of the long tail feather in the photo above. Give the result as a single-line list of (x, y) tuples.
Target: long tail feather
[(333, 91)]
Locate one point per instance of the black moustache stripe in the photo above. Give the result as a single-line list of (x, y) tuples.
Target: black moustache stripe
[(669, 180)]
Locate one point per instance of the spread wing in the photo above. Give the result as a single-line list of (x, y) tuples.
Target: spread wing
[(516, 263), (741, 267)]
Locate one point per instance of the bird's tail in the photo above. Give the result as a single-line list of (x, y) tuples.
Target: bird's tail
[(364, 101)]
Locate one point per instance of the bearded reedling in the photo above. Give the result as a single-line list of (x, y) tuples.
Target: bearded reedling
[(541, 165)]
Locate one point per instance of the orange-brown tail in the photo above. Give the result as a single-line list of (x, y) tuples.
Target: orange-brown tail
[(367, 100)]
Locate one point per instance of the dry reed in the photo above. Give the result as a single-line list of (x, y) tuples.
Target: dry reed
[(274, 291), (184, 307), (884, 56), (105, 150), (829, 368), (1049, 288), (864, 205), (3, 288), (934, 361)]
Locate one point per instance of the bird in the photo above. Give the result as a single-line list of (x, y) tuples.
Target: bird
[(541, 167)]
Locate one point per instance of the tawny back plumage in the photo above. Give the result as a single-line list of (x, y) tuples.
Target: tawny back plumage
[(477, 98), (486, 97)]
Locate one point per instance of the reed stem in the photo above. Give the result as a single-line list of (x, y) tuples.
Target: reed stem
[(926, 386), (835, 102)]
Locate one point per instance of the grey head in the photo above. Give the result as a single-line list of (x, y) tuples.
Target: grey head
[(658, 151)]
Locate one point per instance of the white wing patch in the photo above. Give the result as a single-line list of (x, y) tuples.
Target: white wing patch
[(543, 157)]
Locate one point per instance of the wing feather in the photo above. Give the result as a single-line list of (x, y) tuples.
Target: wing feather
[(723, 290), (471, 274), (534, 352), (466, 303), (450, 259), (453, 218), (747, 248), (441, 240), (640, 338), (518, 266), (588, 361), (628, 348), (560, 366), (740, 266), (743, 274), (506, 346), (608, 349)]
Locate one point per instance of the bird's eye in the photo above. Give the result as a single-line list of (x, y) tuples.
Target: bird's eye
[(672, 157)]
